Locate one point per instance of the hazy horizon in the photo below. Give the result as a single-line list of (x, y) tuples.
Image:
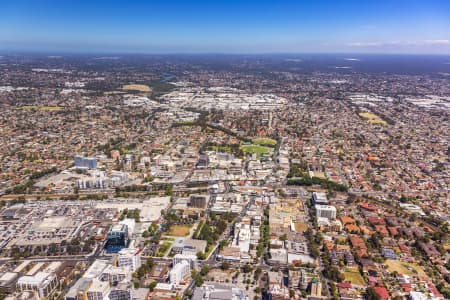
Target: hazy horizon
[(226, 27)]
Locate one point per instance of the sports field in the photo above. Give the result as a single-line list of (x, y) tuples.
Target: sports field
[(264, 142), (259, 150), (353, 275), (372, 119), (179, 230), (41, 108), (136, 87), (401, 267)]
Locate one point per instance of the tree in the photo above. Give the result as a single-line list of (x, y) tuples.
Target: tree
[(247, 268), (225, 266), (201, 255), (149, 263), (283, 237), (257, 273), (204, 271), (222, 244), (372, 295), (334, 274), (198, 280), (152, 286)]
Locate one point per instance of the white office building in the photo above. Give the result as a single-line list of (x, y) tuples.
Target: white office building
[(178, 272), (326, 211), (98, 290), (115, 274), (191, 259), (42, 282), (129, 258), (319, 198)]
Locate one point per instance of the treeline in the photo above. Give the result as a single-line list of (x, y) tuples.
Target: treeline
[(23, 188), (42, 173), (324, 183), (168, 188), (329, 271), (211, 230), (226, 148), (298, 170), (263, 242), (160, 88), (131, 214), (27, 187)]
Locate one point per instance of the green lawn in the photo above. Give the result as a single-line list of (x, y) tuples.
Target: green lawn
[(220, 148), (264, 142), (163, 249), (259, 150), (353, 275)]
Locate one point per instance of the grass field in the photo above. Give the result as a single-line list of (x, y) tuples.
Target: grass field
[(264, 142), (372, 119), (259, 150), (163, 249), (404, 268), (114, 93), (179, 230), (353, 275), (41, 108), (320, 175), (220, 148), (136, 87), (301, 227)]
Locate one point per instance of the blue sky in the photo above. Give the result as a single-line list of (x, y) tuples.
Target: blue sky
[(378, 26)]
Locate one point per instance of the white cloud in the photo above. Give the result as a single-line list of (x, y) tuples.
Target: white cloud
[(437, 42), (442, 42)]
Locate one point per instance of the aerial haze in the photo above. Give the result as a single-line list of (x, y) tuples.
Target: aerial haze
[(217, 150)]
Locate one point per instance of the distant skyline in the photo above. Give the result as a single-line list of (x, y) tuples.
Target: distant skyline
[(316, 26)]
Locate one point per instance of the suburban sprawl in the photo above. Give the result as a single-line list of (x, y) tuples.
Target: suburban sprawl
[(209, 178)]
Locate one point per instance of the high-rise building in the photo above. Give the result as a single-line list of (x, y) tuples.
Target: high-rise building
[(179, 271), (326, 211), (117, 238), (191, 259), (85, 162), (114, 274), (199, 201), (129, 258), (319, 198), (316, 288)]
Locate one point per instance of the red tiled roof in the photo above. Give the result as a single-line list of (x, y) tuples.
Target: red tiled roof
[(376, 221), (382, 292), (367, 206), (345, 285), (406, 287)]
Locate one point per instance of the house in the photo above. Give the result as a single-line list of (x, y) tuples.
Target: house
[(382, 293)]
